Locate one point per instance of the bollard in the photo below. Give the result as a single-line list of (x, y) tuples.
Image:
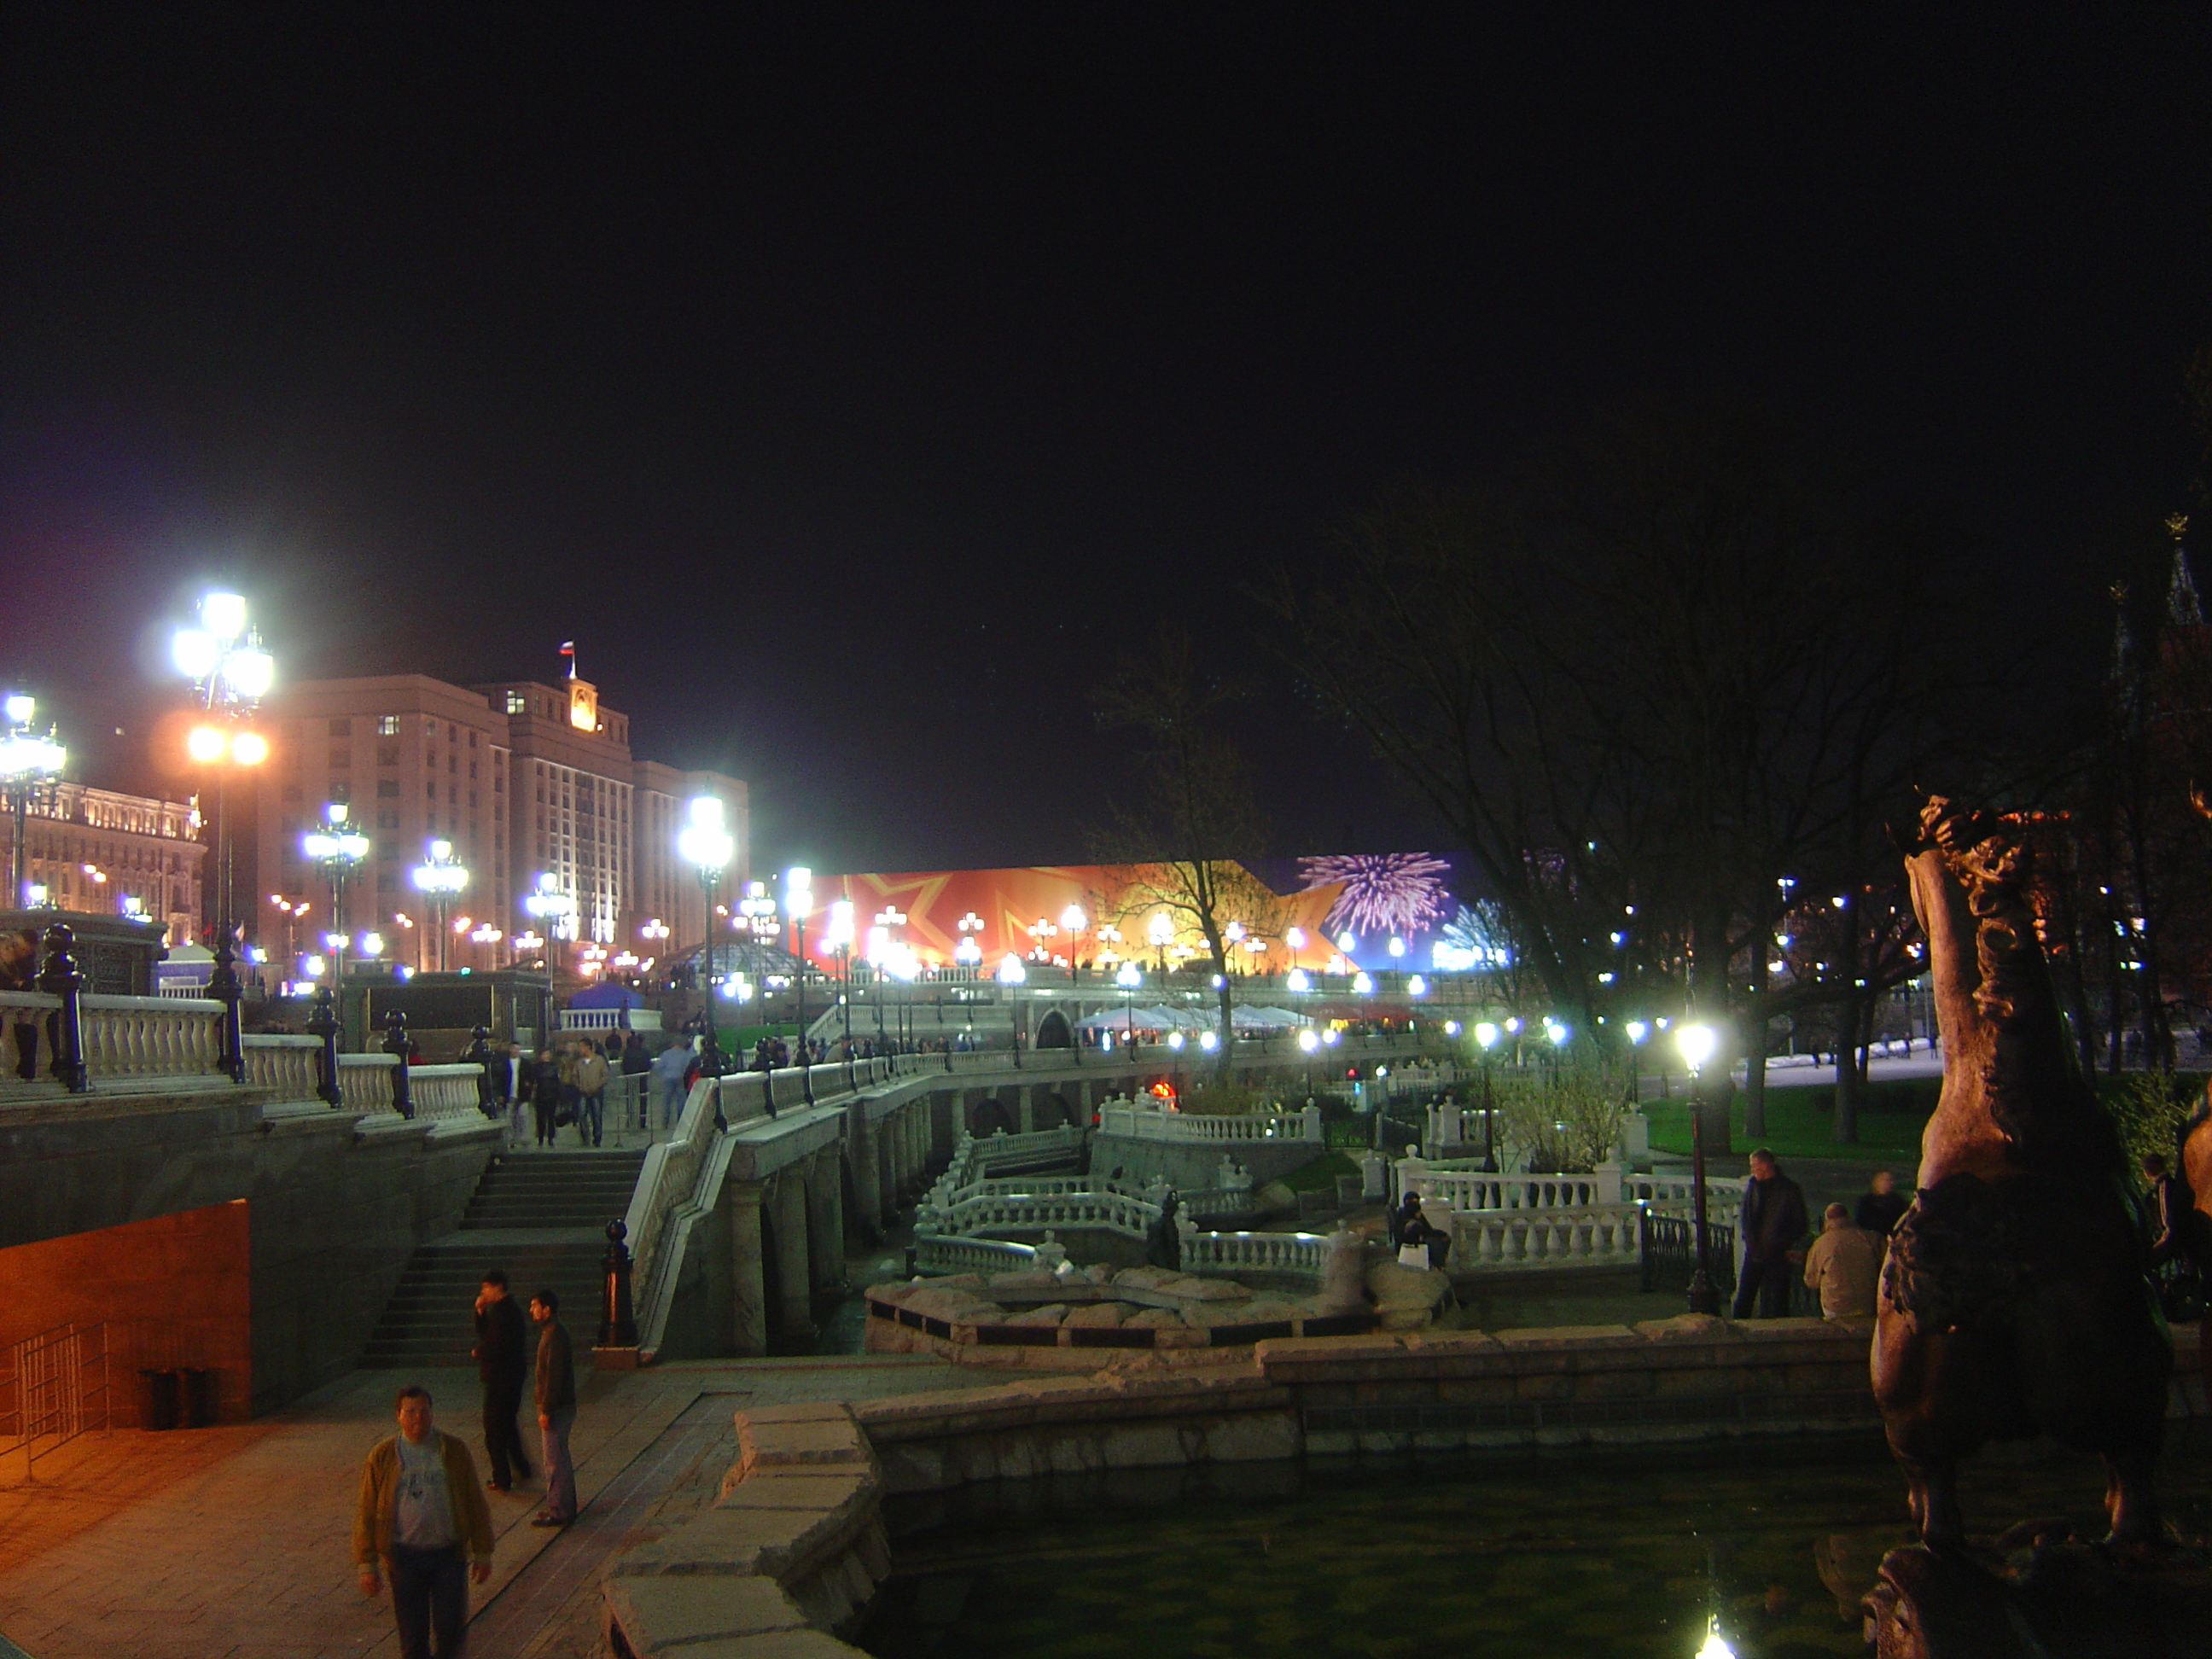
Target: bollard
[(396, 1043), (323, 1022), (58, 978), (617, 1324)]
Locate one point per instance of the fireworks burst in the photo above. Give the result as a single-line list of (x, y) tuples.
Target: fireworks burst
[(1383, 892)]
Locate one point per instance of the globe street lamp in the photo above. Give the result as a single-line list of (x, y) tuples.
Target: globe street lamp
[(837, 941), (336, 850), (546, 902), (1160, 932), (438, 878), (230, 674), (883, 943), (1072, 922), (30, 764), (1128, 978), (1697, 1043), (799, 904), (1485, 1036)]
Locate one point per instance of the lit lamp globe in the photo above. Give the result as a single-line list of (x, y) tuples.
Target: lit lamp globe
[(1486, 1033), (1308, 1040), (1696, 1044), (1128, 976)]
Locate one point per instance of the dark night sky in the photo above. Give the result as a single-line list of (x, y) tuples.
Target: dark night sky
[(853, 384)]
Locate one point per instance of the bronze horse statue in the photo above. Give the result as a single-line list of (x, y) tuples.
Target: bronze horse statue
[(2016, 1299)]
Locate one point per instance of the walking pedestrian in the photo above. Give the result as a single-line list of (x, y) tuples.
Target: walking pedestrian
[(502, 1355), (590, 1094), (637, 1062), (668, 1069), (1773, 1235), (545, 1088), (556, 1396), (421, 1513)]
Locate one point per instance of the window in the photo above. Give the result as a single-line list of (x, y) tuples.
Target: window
[(342, 728), (341, 790), (388, 820), (473, 765), (341, 759), (516, 702), (387, 726), (388, 788), (292, 790), (432, 789), (387, 754), (472, 743)]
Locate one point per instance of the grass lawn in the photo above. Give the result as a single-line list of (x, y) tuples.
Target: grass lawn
[(1800, 1123), (1319, 1176)]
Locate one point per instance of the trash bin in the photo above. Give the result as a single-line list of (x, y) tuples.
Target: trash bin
[(197, 1399), (157, 1399)]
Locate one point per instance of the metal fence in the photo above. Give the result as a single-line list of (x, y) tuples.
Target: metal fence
[(1666, 1252), (53, 1387)]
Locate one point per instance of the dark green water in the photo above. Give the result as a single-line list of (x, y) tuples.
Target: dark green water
[(1589, 1557)]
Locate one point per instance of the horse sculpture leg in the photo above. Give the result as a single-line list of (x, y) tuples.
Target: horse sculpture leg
[(1932, 1485)]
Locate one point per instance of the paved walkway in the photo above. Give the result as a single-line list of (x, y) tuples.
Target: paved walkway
[(216, 1543)]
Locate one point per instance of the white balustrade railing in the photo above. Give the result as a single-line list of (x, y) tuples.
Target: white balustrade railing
[(446, 1091), (151, 1036), (1118, 1211), (1254, 1253), (289, 1064), (1595, 1236), (1142, 1122), (944, 1252), (610, 1019), (365, 1082)]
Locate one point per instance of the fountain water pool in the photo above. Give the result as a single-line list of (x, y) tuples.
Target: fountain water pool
[(1764, 1547)]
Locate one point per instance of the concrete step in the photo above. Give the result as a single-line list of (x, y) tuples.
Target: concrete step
[(428, 1320)]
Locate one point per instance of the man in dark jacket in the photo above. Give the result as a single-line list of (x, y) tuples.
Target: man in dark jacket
[(1773, 1228), (1882, 1206), (502, 1361), (555, 1395)]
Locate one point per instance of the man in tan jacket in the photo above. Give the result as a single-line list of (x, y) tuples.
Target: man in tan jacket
[(421, 1510), (1844, 1265), (591, 1075)]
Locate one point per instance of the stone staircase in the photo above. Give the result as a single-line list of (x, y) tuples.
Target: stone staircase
[(542, 1218)]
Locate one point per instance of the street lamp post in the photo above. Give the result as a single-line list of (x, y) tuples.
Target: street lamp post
[(546, 902), (882, 940), (438, 878), (705, 844), (799, 904), (230, 674), (29, 765), (1128, 976), (1696, 1043), (1485, 1036), (336, 851)]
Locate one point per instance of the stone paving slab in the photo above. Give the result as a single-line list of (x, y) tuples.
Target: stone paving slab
[(235, 1541)]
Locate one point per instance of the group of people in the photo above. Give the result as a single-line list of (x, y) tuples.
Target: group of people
[(1843, 1264), (567, 1083), (420, 1519)]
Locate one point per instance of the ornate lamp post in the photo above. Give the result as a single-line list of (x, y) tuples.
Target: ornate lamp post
[(1072, 922), (1486, 1038), (1696, 1043), (1128, 976), (546, 902), (799, 904), (837, 941), (705, 845), (1160, 932), (230, 674), (29, 765), (336, 850), (438, 878), (1011, 974), (883, 944)]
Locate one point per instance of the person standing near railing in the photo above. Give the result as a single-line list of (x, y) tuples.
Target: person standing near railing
[(636, 1064)]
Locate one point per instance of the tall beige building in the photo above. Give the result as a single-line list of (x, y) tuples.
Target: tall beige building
[(526, 778), (414, 760), (100, 851)]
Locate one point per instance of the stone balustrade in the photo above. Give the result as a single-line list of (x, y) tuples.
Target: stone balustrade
[(1121, 1213), (945, 1253), (289, 1064), (365, 1083), (1142, 1122), (1458, 1185), (446, 1091), (1595, 1236), (135, 1038), (1295, 1254)]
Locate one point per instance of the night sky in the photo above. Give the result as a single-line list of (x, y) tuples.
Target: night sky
[(853, 385)]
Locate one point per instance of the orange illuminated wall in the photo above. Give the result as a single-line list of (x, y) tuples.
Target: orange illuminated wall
[(175, 1290)]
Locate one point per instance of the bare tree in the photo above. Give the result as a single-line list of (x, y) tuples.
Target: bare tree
[(1666, 669), (1179, 846)]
